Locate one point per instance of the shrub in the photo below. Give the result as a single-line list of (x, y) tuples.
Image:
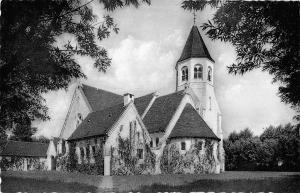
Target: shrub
[(99, 161)]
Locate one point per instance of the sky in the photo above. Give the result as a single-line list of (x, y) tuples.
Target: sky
[(144, 54)]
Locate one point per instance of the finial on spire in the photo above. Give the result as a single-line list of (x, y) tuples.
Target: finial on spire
[(194, 14)]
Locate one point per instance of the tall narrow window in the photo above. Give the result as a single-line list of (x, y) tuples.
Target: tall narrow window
[(185, 74), (198, 71), (156, 141), (82, 153), (209, 74), (93, 150), (138, 136), (140, 153)]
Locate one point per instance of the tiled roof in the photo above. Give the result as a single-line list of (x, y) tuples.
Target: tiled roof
[(25, 149), (142, 102), (191, 124), (194, 46), (97, 123), (100, 99), (161, 112)]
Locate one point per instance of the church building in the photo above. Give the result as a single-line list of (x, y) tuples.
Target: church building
[(182, 130)]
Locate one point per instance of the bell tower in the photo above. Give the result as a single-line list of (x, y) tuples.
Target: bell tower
[(195, 70)]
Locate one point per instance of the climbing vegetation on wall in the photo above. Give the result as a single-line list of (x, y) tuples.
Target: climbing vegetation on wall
[(67, 162), (124, 160), (17, 163), (197, 159)]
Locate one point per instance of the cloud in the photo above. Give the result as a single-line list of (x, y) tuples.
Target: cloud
[(249, 100), (138, 66)]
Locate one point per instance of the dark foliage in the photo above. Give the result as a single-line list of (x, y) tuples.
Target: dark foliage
[(23, 131), (265, 35), (33, 63), (277, 148), (99, 161), (72, 158)]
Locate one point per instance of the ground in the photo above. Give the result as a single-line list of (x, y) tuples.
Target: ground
[(46, 181)]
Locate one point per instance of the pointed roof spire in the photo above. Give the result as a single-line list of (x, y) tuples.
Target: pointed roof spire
[(194, 47)]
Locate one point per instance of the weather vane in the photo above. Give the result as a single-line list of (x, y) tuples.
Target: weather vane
[(194, 14)]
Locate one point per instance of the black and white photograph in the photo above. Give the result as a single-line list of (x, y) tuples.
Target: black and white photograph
[(149, 96)]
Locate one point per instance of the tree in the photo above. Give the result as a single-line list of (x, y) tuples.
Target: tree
[(265, 35), (23, 131), (288, 143), (243, 134), (32, 62), (277, 148)]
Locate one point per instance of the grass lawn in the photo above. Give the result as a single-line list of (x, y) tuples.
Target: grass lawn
[(13, 184), (44, 181), (275, 185)]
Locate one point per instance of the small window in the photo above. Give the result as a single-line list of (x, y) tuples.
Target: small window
[(140, 153), (183, 146), (93, 150), (209, 74), (185, 74), (151, 143), (156, 141), (80, 116), (198, 71)]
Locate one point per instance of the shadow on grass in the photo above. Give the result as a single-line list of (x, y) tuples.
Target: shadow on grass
[(276, 185), (12, 184)]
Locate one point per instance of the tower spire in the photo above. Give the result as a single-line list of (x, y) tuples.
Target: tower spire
[(194, 14), (194, 47)]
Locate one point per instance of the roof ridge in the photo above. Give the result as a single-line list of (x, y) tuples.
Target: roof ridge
[(146, 95), (100, 89), (25, 142), (180, 91), (114, 106)]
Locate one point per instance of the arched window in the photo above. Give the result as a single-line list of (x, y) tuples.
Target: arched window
[(198, 71), (185, 73), (79, 119), (209, 73)]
